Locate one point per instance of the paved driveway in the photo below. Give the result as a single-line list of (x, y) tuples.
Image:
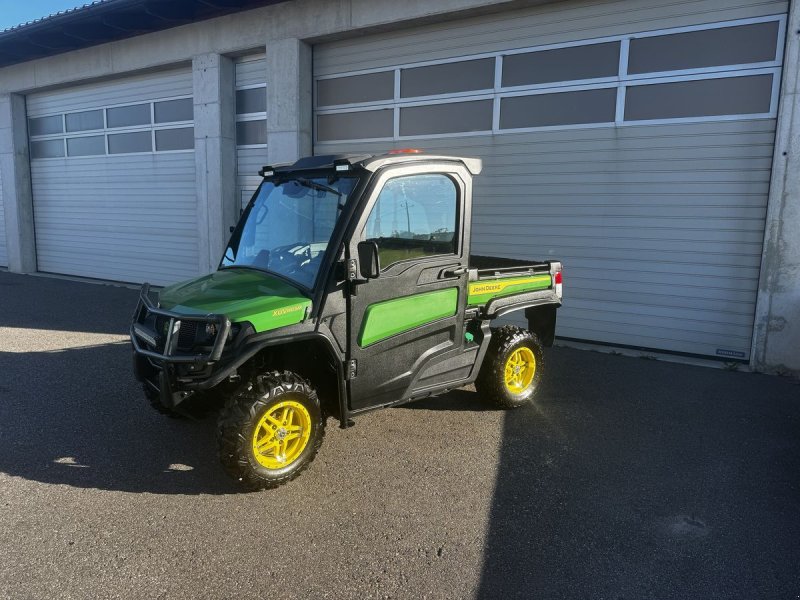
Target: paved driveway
[(630, 478)]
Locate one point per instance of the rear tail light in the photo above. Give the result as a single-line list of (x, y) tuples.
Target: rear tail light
[(558, 281)]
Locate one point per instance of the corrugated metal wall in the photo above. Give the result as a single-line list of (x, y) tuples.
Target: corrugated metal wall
[(250, 71), (123, 217), (660, 226)]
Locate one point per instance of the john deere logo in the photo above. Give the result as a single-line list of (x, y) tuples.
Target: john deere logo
[(279, 312), (485, 289)]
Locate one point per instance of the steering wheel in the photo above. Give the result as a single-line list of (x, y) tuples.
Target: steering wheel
[(291, 256)]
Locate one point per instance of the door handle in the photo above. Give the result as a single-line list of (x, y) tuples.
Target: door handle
[(457, 272)]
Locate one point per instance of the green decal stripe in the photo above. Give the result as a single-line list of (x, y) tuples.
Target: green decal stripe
[(480, 292), (388, 318)]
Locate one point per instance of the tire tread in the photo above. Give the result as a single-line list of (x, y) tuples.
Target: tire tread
[(241, 408)]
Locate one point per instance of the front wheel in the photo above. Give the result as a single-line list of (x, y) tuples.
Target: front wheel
[(512, 368), (270, 431)]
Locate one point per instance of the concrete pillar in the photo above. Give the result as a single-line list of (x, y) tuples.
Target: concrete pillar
[(776, 340), (289, 101), (15, 173), (215, 154)]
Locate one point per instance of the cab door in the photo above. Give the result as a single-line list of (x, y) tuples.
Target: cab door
[(406, 325)]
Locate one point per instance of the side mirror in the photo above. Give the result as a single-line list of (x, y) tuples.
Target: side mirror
[(369, 263)]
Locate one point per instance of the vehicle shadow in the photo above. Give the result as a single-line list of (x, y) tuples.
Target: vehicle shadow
[(77, 417), (464, 399), (644, 479), (59, 305)]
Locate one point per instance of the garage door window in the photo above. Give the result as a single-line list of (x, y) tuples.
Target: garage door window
[(565, 108), (251, 101), (127, 143), (414, 217), (574, 63), (740, 45), (447, 78), (128, 116), (251, 133), (122, 129), (45, 125), (701, 98), (446, 118), (373, 87), (172, 111), (84, 121), (727, 70), (47, 149), (181, 138), (92, 145), (354, 125), (251, 116)]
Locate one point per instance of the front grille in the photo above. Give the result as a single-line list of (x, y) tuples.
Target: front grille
[(187, 335)]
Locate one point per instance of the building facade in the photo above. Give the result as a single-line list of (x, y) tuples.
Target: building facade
[(652, 145)]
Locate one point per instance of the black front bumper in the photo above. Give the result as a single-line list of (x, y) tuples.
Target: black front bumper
[(157, 353)]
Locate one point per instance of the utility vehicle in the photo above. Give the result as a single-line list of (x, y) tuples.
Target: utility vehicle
[(347, 285)]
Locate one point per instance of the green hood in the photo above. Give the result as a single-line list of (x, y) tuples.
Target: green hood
[(242, 294)]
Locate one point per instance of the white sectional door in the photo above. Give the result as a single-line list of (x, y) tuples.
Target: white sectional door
[(251, 124), (633, 140), (113, 174)]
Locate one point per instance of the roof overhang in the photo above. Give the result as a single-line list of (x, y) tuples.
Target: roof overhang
[(108, 21)]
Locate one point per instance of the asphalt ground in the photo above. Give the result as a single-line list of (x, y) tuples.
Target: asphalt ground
[(629, 478)]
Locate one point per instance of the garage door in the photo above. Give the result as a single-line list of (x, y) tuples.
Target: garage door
[(3, 251), (113, 174), (251, 124), (638, 150)]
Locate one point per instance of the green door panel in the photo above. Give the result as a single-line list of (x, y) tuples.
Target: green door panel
[(390, 317), (480, 292)]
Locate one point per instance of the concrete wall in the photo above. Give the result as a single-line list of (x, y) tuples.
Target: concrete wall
[(297, 19), (15, 174), (215, 154), (776, 340)]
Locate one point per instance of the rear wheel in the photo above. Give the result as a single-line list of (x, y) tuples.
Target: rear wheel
[(270, 431), (512, 367)]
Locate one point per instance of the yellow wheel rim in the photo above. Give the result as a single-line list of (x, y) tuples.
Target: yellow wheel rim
[(281, 435), (520, 369)]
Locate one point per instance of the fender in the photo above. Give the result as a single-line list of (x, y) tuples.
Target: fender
[(287, 335)]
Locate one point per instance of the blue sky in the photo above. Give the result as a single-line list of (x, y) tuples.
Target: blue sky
[(14, 12)]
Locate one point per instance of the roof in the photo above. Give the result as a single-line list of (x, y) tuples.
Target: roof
[(107, 21), (372, 162)]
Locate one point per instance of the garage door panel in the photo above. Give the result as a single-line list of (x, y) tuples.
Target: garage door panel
[(131, 90), (549, 24), (712, 321), (650, 338), (486, 233), (251, 142), (672, 256), (683, 298), (547, 242), (660, 225), (643, 325), (637, 210), (526, 199), (123, 217)]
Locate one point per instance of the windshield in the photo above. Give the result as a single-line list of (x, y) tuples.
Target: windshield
[(287, 227)]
